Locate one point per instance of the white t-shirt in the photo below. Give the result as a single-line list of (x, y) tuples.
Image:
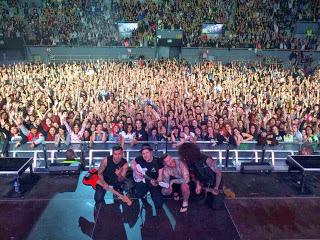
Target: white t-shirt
[(188, 137), (127, 136)]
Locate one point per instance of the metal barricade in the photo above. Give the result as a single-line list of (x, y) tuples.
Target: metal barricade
[(92, 153)]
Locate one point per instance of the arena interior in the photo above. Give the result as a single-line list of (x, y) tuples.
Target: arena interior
[(159, 119)]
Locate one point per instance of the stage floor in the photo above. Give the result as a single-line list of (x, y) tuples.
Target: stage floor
[(276, 218), (61, 207), (71, 214)]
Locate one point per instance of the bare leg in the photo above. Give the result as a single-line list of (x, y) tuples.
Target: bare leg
[(185, 191)]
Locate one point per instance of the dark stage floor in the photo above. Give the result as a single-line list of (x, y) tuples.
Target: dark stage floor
[(61, 207), (276, 218)]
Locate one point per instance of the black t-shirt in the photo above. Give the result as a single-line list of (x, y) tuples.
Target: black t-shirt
[(273, 139), (209, 138), (278, 137), (141, 135), (202, 171), (109, 174), (230, 139), (282, 133), (152, 167), (177, 137)]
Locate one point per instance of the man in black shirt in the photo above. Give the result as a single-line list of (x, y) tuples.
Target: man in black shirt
[(204, 171), (141, 134), (276, 134), (112, 171), (152, 165)]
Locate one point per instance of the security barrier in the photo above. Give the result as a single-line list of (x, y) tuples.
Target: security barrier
[(229, 158)]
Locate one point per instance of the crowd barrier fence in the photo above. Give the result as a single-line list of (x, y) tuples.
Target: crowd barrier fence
[(229, 157)]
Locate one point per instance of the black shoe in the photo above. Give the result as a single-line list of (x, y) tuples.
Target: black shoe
[(86, 226)]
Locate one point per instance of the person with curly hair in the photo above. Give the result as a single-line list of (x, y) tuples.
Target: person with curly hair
[(203, 169)]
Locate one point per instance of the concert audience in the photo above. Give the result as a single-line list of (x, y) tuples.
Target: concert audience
[(247, 23), (251, 99)]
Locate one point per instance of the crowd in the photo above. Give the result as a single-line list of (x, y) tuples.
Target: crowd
[(247, 23), (11, 22), (271, 24), (61, 22), (75, 23), (159, 100), (185, 15)]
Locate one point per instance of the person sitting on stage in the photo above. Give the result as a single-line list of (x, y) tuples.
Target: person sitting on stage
[(152, 165), (112, 171), (203, 169), (175, 172)]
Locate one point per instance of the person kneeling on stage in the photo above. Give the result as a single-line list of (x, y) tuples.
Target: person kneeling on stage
[(175, 172), (112, 171), (203, 169), (146, 180)]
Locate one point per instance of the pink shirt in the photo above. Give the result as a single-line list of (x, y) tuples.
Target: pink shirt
[(75, 137)]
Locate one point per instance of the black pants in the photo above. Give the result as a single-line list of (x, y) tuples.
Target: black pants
[(100, 192), (143, 188), (214, 201)]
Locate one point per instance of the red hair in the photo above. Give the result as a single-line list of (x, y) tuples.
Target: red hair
[(113, 126)]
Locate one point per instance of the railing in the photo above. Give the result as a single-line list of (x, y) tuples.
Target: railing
[(82, 58), (138, 47), (67, 53), (91, 153)]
